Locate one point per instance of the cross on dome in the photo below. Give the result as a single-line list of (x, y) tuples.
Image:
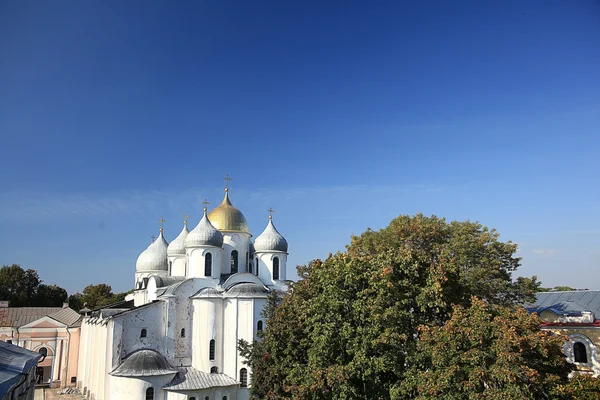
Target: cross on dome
[(185, 218), (271, 211), (206, 203), (161, 221)]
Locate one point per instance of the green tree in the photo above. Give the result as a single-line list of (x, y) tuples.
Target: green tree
[(20, 287), (485, 352), (349, 327), (581, 387), (97, 295), (50, 296)]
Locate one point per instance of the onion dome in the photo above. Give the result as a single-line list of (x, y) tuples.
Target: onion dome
[(204, 234), (154, 258), (177, 246), (270, 239), (226, 217)]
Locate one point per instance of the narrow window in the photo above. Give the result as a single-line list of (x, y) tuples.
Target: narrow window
[(243, 377), (9, 341), (247, 258), (250, 267), (192, 398), (580, 353), (170, 267), (214, 370), (143, 333), (182, 332), (150, 393), (224, 397), (276, 268), (257, 266), (43, 351), (206, 398), (259, 326), (208, 264), (73, 379), (234, 262), (211, 350)]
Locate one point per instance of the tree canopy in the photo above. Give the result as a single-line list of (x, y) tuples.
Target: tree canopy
[(95, 296), (350, 327), (24, 288)]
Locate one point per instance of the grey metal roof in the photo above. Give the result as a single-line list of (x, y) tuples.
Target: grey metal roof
[(67, 316), (247, 289), (20, 316), (572, 302), (207, 292), (270, 240), (144, 362), (164, 281), (189, 378), (14, 363)]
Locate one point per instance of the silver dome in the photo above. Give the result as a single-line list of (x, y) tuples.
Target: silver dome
[(177, 246), (270, 240), (204, 234), (154, 258)]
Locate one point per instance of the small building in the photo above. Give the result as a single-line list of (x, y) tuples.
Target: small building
[(573, 314), (17, 372), (52, 332)]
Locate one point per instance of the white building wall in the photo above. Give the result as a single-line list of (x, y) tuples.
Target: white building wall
[(230, 322), (150, 318), (235, 241), (208, 323), (177, 265), (135, 388), (265, 271), (196, 258)]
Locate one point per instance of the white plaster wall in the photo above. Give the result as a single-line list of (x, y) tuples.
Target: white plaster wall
[(235, 241), (151, 318), (178, 265), (230, 322), (259, 305), (265, 271), (196, 261), (135, 388), (208, 324), (246, 328)]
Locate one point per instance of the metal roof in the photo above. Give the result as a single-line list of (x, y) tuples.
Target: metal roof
[(20, 316), (572, 302), (67, 316), (144, 362), (189, 378), (247, 289), (15, 362)]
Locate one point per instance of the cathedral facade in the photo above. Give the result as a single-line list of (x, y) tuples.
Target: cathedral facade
[(194, 298)]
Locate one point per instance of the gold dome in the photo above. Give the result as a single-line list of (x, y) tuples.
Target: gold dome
[(226, 217)]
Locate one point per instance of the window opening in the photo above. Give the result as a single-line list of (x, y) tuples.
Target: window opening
[(150, 393), (243, 377), (208, 264), (43, 351), (276, 268), (234, 262), (580, 353), (182, 332), (211, 350), (259, 326), (214, 370), (143, 333)]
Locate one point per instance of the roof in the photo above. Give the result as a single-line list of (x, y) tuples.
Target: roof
[(144, 362), (14, 363), (20, 316), (568, 303), (189, 378), (67, 316), (225, 217), (247, 289)]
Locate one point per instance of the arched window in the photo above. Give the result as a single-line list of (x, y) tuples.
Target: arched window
[(182, 332), (224, 397), (257, 266), (192, 398), (276, 268), (247, 258), (234, 262), (250, 267), (206, 398), (259, 326), (150, 393), (211, 350), (208, 264), (214, 370), (580, 353), (243, 377), (43, 351), (143, 333)]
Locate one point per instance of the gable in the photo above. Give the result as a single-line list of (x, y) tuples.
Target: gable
[(44, 322)]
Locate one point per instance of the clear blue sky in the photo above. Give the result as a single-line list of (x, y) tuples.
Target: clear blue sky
[(340, 115)]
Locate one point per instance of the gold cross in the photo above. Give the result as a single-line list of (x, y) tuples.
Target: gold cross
[(161, 221), (185, 218), (271, 211), (205, 202), (227, 179)]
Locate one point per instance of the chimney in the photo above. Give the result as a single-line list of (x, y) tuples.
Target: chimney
[(4, 304), (65, 304)]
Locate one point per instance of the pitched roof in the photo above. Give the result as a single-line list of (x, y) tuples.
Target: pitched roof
[(571, 302), (144, 362), (189, 378), (19, 316), (67, 316), (14, 363)]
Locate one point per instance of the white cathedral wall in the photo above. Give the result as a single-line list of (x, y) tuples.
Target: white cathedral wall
[(177, 265), (196, 257), (135, 388), (230, 325), (265, 266), (208, 323), (150, 318), (235, 241)]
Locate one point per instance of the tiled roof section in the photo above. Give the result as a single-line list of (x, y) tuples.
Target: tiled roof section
[(19, 316), (67, 316), (144, 362), (573, 302), (189, 378), (14, 361)]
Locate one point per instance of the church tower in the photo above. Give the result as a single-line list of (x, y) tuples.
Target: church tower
[(271, 254)]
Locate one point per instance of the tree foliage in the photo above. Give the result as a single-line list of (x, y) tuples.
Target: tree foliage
[(349, 327), (485, 352), (96, 296), (24, 288)]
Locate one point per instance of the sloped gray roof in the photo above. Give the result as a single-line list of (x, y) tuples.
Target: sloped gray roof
[(20, 316), (144, 362), (189, 378), (247, 289), (207, 292), (67, 316), (14, 363), (572, 302)]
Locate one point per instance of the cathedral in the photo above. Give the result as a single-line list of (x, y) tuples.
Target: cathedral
[(176, 336)]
